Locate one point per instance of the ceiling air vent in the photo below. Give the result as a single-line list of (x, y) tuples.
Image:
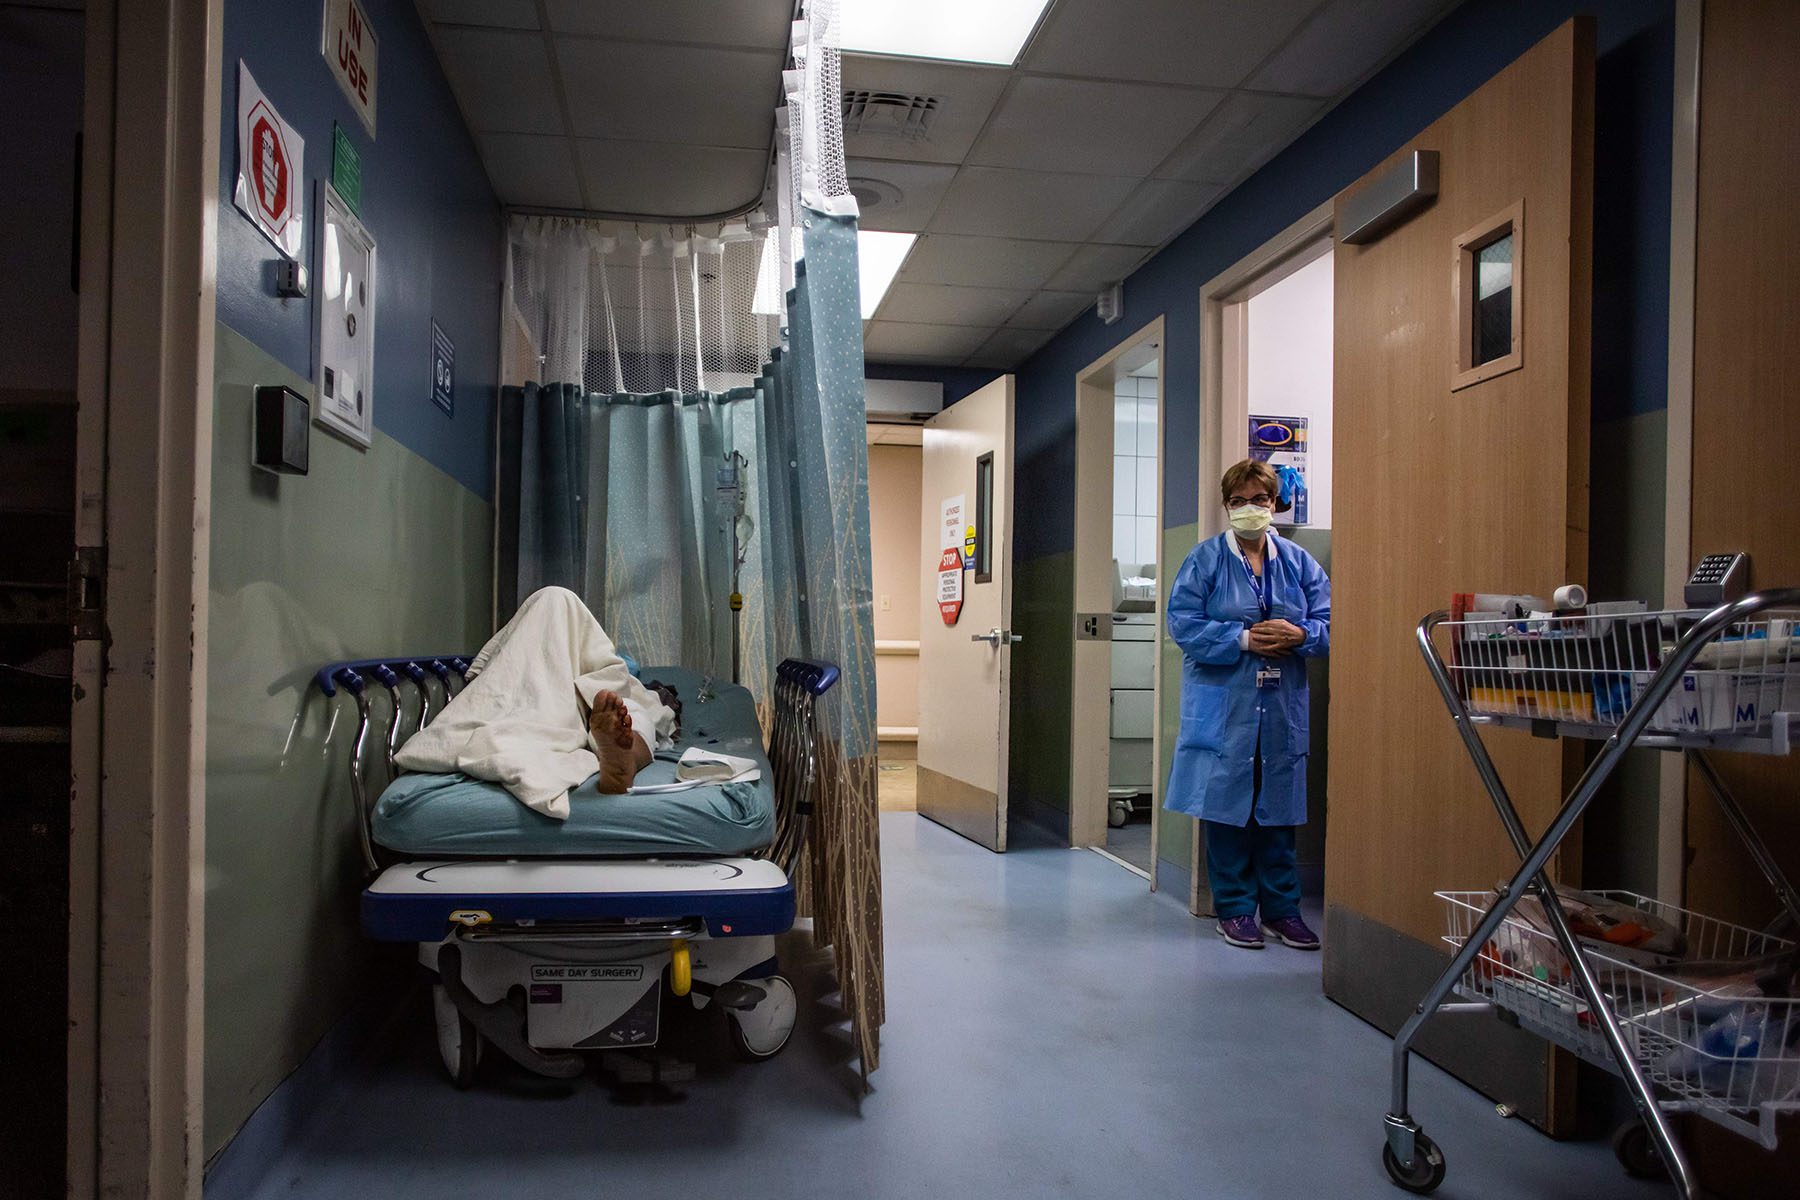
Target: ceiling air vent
[(897, 115)]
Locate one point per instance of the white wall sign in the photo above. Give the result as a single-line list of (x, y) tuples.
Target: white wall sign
[(950, 528), (345, 308), (348, 45), (270, 169)]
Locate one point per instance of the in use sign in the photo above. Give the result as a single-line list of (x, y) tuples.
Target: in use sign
[(348, 45)]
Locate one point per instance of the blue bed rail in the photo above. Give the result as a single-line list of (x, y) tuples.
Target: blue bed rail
[(387, 671)]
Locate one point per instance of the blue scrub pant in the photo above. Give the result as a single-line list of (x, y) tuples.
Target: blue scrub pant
[(1252, 866)]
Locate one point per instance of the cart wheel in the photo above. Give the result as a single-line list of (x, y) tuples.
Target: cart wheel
[(459, 1045), (1637, 1151), (1117, 813), (1427, 1168), (761, 1032)]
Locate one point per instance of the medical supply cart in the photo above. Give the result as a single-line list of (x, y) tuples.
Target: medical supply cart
[(1700, 1016)]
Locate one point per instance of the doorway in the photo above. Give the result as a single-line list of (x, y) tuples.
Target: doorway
[(1266, 358), (896, 466), (1115, 784)]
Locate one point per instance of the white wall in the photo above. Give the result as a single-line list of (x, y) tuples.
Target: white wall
[(1135, 537), (895, 530), (1290, 368)]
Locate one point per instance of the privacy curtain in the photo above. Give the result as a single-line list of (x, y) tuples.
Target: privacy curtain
[(619, 497)]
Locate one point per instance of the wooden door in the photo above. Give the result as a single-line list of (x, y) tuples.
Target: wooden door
[(965, 667), (1746, 457), (1452, 486)]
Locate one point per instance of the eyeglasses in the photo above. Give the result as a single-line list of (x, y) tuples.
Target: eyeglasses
[(1261, 500)]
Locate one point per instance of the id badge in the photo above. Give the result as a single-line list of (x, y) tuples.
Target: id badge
[(1268, 677)]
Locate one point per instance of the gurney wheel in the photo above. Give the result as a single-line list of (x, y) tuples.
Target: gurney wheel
[(459, 1045), (761, 1032), (1427, 1169)]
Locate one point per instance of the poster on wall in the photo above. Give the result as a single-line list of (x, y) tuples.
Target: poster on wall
[(348, 45), (950, 585), (270, 169), (1281, 442), (345, 308), (443, 370), (950, 525)]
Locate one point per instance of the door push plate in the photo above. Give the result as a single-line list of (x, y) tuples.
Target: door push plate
[(1093, 627)]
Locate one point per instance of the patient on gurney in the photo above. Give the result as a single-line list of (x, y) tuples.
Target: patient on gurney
[(548, 703)]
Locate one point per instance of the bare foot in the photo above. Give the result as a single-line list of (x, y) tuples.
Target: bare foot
[(615, 742)]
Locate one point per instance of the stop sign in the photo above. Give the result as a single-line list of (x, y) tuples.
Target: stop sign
[(272, 168)]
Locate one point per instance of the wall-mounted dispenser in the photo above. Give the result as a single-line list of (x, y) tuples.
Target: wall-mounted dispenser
[(283, 429)]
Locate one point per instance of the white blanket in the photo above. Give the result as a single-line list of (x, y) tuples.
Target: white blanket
[(522, 720)]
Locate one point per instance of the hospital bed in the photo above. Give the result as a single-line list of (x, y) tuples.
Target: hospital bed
[(548, 938)]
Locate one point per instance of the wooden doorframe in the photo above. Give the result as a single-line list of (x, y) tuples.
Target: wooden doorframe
[(148, 261), (1090, 674), (1225, 394)]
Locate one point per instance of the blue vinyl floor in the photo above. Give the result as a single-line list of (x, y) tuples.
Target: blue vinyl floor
[(1052, 1031)]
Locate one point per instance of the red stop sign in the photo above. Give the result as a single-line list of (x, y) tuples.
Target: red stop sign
[(271, 170)]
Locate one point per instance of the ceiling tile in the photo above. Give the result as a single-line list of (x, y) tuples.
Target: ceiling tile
[(944, 343), (501, 79), (669, 93), (1050, 310), (921, 187), (983, 261), (1029, 204), (1346, 41), (1007, 348), (1157, 211), (1092, 268), (501, 14), (1246, 131), (1207, 43), (669, 181), (761, 24), (531, 169), (930, 303), (912, 360), (965, 96), (1108, 128)]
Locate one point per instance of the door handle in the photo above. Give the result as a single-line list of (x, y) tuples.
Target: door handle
[(997, 637)]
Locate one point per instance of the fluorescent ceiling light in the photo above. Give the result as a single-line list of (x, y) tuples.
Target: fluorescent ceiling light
[(768, 301), (978, 31), (878, 257)]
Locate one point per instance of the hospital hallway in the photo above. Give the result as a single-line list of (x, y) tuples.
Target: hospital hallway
[(1052, 1030)]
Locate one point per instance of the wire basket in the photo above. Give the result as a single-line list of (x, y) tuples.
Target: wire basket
[(1590, 669), (1697, 1020)]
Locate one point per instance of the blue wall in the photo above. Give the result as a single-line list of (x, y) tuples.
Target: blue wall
[(426, 199), (1635, 42)]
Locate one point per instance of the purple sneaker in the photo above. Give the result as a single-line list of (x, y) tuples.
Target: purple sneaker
[(1292, 931), (1241, 931)]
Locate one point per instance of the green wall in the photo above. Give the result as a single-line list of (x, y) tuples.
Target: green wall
[(1627, 483), (1042, 707), (374, 552), (1175, 831)]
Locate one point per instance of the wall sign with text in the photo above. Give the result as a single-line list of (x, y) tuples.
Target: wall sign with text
[(348, 44)]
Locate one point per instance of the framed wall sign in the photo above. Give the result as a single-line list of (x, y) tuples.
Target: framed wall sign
[(344, 312)]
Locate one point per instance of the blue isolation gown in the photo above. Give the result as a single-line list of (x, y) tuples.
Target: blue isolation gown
[(1224, 715)]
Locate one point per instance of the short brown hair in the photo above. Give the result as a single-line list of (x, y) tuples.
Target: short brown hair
[(1250, 471)]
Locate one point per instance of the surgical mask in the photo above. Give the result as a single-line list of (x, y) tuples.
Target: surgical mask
[(1250, 519)]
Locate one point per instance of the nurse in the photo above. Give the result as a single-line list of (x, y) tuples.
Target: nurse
[(1247, 607)]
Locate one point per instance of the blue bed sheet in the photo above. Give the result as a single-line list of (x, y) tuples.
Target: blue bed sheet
[(454, 816)]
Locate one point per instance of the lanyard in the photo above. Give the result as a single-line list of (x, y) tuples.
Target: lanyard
[(1260, 586)]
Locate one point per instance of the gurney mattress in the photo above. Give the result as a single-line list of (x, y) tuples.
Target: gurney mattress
[(454, 816)]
